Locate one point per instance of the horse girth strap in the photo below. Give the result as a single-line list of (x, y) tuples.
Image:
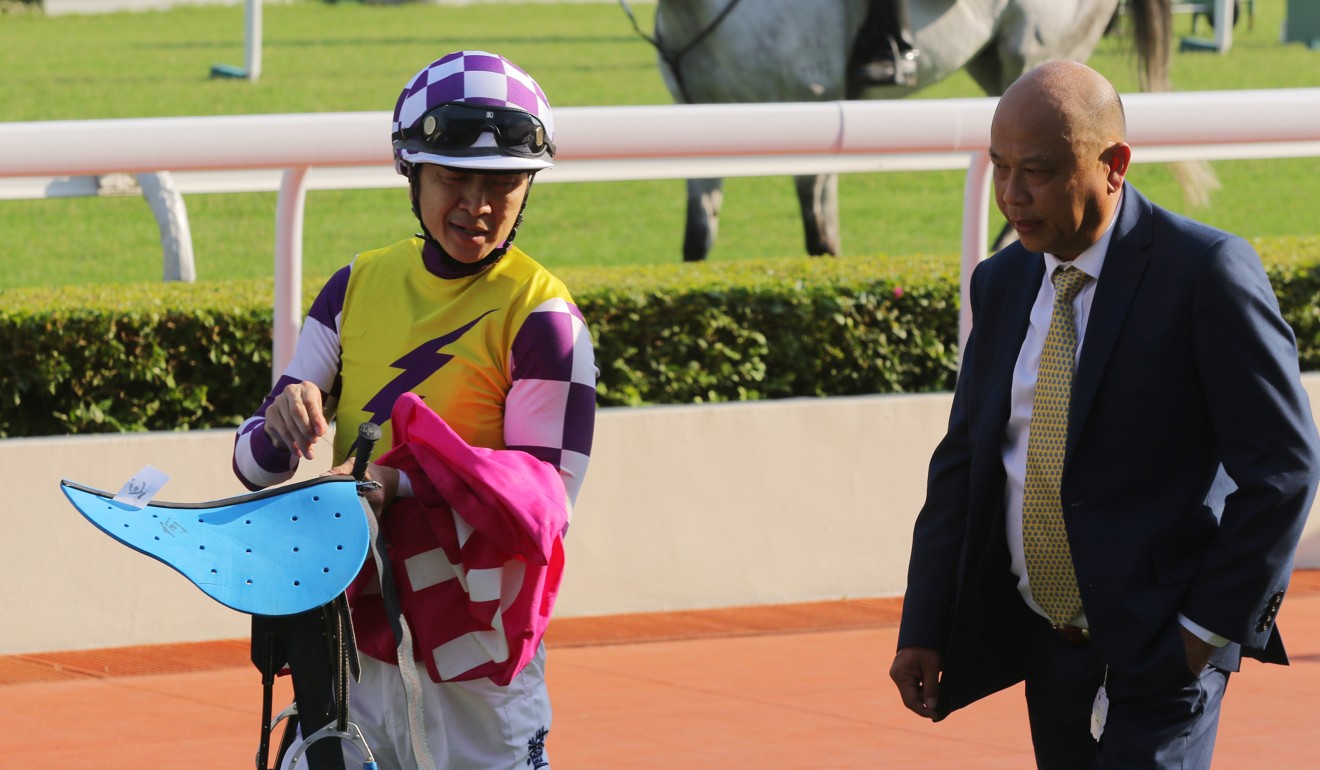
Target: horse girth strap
[(412, 683), (309, 642), (317, 645)]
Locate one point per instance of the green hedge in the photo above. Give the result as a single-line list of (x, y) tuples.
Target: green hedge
[(132, 358), (1293, 265), (190, 356), (770, 329)]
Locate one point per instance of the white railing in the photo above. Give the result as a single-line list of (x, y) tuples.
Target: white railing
[(648, 142)]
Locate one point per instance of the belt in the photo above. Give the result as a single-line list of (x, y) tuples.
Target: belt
[(1074, 636)]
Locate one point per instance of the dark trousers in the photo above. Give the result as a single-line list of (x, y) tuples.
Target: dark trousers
[(1171, 727)]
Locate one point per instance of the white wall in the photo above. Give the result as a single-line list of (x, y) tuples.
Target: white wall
[(684, 507)]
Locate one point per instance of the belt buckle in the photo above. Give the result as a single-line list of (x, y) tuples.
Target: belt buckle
[(1073, 635)]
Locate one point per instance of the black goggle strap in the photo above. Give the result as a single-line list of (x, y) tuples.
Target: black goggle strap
[(415, 196), (451, 127)]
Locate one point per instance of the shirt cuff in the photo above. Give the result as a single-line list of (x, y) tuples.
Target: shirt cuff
[(1205, 635), (405, 486), (269, 457)]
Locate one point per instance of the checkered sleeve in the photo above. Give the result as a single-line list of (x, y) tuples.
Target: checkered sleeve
[(550, 412), (257, 462)]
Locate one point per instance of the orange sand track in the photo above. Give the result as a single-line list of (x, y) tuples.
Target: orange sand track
[(782, 687)]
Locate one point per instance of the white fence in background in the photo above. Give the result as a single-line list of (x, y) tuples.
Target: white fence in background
[(293, 153)]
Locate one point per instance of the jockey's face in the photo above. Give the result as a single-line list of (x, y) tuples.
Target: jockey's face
[(470, 213), (1055, 186)]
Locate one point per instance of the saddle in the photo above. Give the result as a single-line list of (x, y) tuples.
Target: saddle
[(280, 551), (285, 556)]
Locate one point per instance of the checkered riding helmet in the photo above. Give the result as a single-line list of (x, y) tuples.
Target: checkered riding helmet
[(466, 80)]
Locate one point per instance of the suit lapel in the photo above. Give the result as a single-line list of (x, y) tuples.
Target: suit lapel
[(1017, 295), (1124, 265)]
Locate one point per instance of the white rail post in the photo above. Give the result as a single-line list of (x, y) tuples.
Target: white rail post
[(1224, 18), (288, 267), (252, 39), (1223, 37), (975, 232), (171, 214)]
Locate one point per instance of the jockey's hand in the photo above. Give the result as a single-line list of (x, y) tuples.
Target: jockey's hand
[(295, 420), (388, 478)]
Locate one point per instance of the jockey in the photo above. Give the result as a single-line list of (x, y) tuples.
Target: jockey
[(479, 368), (888, 55)]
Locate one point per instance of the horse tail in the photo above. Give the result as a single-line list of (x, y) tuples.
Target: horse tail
[(1152, 30)]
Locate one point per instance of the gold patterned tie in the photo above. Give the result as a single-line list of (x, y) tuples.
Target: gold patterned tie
[(1044, 539)]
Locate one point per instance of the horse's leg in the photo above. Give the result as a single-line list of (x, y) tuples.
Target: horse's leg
[(818, 196), (987, 69), (703, 217)]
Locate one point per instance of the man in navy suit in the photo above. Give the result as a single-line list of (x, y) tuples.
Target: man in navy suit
[(1123, 569)]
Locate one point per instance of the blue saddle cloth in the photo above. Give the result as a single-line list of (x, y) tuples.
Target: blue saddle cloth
[(280, 551)]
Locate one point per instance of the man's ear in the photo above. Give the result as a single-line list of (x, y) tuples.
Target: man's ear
[(1117, 157)]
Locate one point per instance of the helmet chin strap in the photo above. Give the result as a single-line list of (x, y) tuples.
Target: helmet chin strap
[(414, 185)]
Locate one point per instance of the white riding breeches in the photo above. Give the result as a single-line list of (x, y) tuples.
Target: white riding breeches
[(475, 725)]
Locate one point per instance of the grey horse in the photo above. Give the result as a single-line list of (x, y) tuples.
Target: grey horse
[(799, 51)]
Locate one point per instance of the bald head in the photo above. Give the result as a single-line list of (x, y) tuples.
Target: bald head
[(1084, 102), (1060, 156)]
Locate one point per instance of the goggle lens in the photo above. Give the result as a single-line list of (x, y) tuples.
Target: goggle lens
[(454, 128)]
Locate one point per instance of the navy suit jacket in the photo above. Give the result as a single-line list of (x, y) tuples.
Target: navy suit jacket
[(1187, 371)]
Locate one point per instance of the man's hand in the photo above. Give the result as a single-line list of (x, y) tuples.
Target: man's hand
[(294, 420), (916, 671), (380, 499), (1198, 651)]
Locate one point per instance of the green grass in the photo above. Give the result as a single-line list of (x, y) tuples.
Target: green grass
[(345, 56)]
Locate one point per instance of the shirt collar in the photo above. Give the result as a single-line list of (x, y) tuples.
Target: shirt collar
[(1093, 259), (442, 265)]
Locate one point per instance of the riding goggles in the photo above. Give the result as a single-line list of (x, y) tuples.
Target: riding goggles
[(452, 129)]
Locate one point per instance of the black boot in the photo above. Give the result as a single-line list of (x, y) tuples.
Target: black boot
[(893, 65), (884, 53)]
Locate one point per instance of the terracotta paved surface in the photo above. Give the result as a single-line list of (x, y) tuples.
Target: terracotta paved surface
[(801, 686)]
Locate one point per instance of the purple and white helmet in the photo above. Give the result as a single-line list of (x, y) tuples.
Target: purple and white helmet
[(475, 110)]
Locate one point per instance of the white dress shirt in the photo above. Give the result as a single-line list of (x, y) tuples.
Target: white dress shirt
[(1024, 390), (1090, 262)]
